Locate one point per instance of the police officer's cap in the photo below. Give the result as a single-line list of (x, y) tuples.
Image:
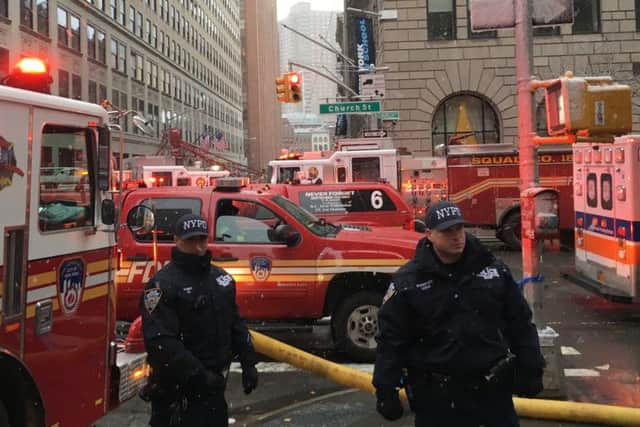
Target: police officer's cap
[(443, 215), (191, 225)]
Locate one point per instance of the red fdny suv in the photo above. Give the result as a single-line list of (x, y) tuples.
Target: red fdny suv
[(287, 263)]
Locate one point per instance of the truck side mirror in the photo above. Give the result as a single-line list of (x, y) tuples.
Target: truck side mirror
[(141, 220), (287, 234), (108, 212)]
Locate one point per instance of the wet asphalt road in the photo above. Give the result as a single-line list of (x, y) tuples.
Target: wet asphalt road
[(600, 360)]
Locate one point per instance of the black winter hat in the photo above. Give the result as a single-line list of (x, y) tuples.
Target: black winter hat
[(443, 215)]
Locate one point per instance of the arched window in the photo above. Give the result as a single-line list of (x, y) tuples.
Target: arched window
[(465, 119)]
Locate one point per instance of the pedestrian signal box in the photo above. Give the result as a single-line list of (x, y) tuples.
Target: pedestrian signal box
[(295, 86), (593, 104), (282, 88)]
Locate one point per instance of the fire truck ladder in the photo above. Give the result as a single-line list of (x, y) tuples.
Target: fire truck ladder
[(173, 144)]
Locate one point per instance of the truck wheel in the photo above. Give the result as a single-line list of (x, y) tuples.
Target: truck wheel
[(355, 325), (4, 416), (511, 231)]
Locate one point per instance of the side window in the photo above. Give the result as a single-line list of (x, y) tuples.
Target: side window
[(592, 190), (342, 174), (67, 177), (366, 169), (161, 179), (241, 221), (605, 191), (288, 175), (167, 211), (183, 181)]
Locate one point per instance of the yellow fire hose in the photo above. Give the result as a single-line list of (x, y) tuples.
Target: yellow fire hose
[(531, 408)]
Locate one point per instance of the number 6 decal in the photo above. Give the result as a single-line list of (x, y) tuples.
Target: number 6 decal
[(376, 199)]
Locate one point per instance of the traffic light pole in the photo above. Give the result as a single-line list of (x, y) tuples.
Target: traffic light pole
[(528, 167), (326, 76)]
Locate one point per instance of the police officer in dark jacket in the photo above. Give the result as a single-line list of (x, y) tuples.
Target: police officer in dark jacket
[(192, 330), (456, 332)]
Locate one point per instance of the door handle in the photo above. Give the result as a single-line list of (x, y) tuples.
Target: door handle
[(139, 258), (224, 258)]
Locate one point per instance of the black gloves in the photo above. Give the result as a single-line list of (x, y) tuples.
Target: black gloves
[(528, 383), (249, 378), (388, 403)]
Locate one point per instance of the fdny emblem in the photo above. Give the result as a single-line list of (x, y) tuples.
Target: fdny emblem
[(489, 273), (152, 298), (7, 163), (260, 268), (70, 284)]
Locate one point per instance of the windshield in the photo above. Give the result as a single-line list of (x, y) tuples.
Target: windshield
[(307, 219)]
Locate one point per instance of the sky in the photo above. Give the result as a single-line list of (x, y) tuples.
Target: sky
[(285, 5)]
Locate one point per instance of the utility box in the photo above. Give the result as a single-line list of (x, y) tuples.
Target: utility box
[(539, 213), (595, 104)]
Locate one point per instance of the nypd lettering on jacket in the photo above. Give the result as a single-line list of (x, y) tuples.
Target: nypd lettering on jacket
[(448, 212)]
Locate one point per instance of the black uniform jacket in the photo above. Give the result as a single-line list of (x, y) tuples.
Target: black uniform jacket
[(191, 322), (455, 320)]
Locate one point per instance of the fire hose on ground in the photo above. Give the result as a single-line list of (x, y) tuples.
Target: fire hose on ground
[(529, 408)]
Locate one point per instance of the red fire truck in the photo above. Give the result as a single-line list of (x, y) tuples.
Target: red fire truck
[(483, 179), (60, 363)]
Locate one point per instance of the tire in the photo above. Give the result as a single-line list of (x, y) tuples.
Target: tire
[(511, 231), (355, 325), (4, 416)]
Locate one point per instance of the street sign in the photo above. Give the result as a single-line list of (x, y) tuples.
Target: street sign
[(374, 133), (372, 84), (492, 14), (388, 115), (364, 107)]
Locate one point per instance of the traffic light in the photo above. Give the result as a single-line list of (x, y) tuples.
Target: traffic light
[(282, 88), (30, 74), (295, 86), (595, 104)]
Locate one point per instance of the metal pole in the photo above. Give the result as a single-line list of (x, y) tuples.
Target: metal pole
[(528, 167)]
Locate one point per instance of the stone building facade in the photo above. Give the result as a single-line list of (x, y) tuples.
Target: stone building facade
[(447, 81)]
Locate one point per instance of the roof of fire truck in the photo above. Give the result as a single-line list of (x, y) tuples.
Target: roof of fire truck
[(27, 97)]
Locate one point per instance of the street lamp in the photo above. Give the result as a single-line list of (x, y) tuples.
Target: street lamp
[(138, 121)]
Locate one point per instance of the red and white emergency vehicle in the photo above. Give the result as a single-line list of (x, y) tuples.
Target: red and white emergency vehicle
[(607, 216), (483, 179), (59, 360), (288, 264)]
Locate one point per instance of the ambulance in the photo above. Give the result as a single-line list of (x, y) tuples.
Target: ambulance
[(607, 216), (60, 363), (288, 264)]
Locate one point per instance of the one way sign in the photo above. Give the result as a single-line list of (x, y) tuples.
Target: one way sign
[(372, 85)]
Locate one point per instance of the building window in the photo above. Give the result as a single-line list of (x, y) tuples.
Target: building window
[(113, 9), (102, 93), (465, 119), (93, 92), (147, 31), (139, 24), (153, 41), (137, 64), (132, 19), (42, 8), (68, 29), (118, 56), (586, 16), (63, 83), (122, 11), (76, 86), (96, 45), (26, 13), (4, 8), (637, 15), (491, 34)]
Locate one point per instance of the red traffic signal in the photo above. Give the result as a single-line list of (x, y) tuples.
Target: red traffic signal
[(295, 86), (30, 74)]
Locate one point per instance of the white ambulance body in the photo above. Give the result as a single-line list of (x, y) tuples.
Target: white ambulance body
[(607, 215)]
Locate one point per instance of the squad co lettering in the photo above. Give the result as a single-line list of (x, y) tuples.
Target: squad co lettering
[(512, 160)]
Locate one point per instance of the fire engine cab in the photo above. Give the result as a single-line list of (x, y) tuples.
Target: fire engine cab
[(288, 264), (59, 360)]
